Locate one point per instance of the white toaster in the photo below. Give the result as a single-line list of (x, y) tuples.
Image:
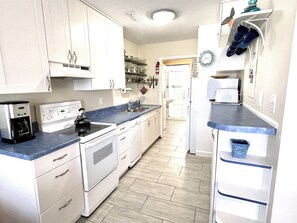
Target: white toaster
[(227, 95)]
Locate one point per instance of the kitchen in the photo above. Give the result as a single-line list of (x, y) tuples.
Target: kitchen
[(281, 22)]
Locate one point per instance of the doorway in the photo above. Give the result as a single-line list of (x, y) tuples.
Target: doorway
[(177, 84)]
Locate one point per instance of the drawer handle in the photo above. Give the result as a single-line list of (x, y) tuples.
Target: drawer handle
[(123, 138), (62, 174), (124, 157), (122, 128), (64, 206), (62, 157)]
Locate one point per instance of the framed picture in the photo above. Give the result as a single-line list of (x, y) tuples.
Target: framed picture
[(229, 10)]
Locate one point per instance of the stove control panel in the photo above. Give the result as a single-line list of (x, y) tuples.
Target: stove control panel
[(57, 115)]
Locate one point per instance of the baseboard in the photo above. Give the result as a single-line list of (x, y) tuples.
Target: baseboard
[(204, 154)]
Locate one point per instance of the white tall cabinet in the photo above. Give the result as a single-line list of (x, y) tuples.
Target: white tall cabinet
[(107, 54), (24, 64), (66, 27)]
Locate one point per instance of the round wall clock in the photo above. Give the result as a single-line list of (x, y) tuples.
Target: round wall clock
[(206, 58)]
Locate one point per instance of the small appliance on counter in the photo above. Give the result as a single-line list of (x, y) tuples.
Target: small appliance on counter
[(15, 121), (223, 90)]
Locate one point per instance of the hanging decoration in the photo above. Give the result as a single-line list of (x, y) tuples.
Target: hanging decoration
[(157, 68)]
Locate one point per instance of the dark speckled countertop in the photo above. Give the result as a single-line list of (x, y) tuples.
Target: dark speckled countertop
[(236, 118), (45, 143)]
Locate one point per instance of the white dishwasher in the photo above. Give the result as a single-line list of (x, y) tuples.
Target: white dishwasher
[(136, 146)]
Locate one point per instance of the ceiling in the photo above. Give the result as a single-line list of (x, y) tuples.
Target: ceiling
[(190, 14)]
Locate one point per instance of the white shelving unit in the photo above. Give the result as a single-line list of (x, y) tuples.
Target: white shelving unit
[(251, 19), (242, 186)]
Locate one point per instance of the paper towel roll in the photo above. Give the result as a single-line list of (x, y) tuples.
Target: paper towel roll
[(126, 90)]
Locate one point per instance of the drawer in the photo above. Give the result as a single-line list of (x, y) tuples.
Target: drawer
[(55, 159), (124, 162), (55, 184), (67, 209), (123, 128), (123, 142)]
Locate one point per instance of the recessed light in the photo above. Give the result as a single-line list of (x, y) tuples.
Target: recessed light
[(163, 17), (135, 16)]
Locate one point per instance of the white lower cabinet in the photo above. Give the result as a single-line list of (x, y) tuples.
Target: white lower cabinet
[(150, 128), (124, 142), (240, 187), (48, 189)]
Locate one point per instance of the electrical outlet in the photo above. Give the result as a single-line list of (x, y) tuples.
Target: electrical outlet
[(260, 99), (100, 101), (273, 103)]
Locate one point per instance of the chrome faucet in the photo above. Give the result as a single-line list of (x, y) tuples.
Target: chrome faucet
[(131, 103)]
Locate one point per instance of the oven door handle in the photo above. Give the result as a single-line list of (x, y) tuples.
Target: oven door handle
[(99, 139)]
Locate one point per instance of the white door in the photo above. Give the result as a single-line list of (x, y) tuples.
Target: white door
[(24, 64), (57, 30), (135, 134), (144, 135), (79, 32)]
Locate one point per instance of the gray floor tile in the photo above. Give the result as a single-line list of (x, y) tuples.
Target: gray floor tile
[(201, 216), (142, 163), (165, 168), (204, 187), (122, 215), (145, 174), (180, 182), (152, 189), (195, 164), (100, 213), (127, 199), (165, 147), (190, 198), (83, 220), (126, 182), (168, 210), (173, 154), (195, 174)]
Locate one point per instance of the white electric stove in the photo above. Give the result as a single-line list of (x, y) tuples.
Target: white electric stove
[(98, 148)]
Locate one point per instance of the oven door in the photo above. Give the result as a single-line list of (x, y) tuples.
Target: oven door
[(99, 157)]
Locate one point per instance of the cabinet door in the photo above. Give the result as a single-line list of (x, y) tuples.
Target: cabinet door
[(79, 32), (144, 135), (98, 50), (57, 30), (157, 127), (24, 64), (151, 129), (115, 54)]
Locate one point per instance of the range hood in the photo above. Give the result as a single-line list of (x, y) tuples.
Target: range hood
[(70, 70)]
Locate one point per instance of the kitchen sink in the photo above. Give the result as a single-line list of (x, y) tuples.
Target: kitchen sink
[(136, 109)]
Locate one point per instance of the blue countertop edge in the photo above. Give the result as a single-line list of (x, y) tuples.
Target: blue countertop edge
[(237, 118), (45, 143)]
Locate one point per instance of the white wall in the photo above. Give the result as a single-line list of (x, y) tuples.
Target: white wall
[(285, 195), (272, 77), (62, 90)]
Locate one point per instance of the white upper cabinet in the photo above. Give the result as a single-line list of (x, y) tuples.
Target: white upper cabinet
[(24, 64), (107, 54), (66, 28), (115, 54)]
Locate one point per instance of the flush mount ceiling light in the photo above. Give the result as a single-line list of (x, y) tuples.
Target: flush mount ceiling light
[(163, 17)]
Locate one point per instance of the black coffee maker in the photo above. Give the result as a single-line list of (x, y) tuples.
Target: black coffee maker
[(15, 121)]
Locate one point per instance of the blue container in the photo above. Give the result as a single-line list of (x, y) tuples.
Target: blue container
[(239, 148)]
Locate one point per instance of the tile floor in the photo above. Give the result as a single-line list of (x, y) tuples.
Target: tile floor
[(166, 185)]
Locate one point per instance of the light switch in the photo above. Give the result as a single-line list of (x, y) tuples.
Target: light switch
[(273, 103)]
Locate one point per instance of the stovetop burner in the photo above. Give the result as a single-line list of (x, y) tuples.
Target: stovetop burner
[(84, 130)]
